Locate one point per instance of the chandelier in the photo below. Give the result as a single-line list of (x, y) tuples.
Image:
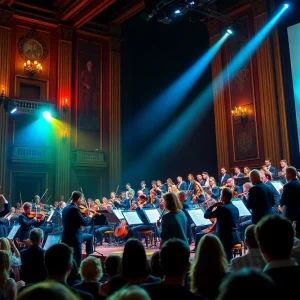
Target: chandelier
[(240, 114), (32, 68)]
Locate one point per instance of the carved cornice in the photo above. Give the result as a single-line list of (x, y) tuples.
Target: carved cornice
[(115, 45), (65, 33), (5, 18), (259, 6)]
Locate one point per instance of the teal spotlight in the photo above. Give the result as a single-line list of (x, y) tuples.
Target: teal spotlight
[(47, 115), (229, 31), (286, 5), (13, 110)]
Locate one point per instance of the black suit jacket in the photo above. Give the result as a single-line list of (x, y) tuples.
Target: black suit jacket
[(33, 269), (145, 191), (26, 225), (4, 222), (276, 195), (260, 200), (227, 223), (290, 198), (224, 180), (72, 221)]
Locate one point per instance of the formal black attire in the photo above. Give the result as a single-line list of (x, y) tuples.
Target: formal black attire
[(4, 222), (92, 288), (72, 232), (26, 225), (276, 196), (227, 225), (183, 186), (145, 191), (33, 268), (290, 199), (223, 179), (260, 200)]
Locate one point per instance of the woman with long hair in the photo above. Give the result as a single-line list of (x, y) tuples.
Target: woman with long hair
[(10, 247), (215, 190), (209, 267), (173, 224), (247, 171)]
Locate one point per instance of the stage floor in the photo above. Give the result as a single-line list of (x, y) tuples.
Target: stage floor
[(103, 251)]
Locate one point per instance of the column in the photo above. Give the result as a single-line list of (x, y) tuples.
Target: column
[(219, 101), (63, 156), (267, 90), (115, 115), (5, 58)]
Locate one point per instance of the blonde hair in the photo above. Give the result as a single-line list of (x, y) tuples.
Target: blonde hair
[(132, 292), (5, 265), (91, 269), (212, 178), (172, 203), (26, 205), (248, 170), (175, 189), (210, 264), (5, 245), (97, 201)]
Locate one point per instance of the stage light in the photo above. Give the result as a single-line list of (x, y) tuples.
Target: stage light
[(177, 11), (13, 110), (229, 31), (47, 115), (192, 3), (286, 5)]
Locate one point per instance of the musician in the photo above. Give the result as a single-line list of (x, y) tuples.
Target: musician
[(161, 187), (237, 173), (37, 202), (144, 189), (198, 196), (266, 178), (181, 185), (260, 198), (102, 228), (155, 188), (123, 202), (4, 222), (199, 178), (224, 177), (227, 221), (170, 182), (72, 233), (27, 223), (209, 200), (215, 190), (269, 168), (139, 208), (130, 199), (205, 179), (282, 171), (154, 199), (129, 190), (236, 190), (59, 209), (114, 200), (246, 171)]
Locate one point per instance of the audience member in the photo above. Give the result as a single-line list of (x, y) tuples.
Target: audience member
[(174, 257), (91, 272), (112, 267), (275, 237), (130, 293), (253, 258), (10, 247), (155, 266), (48, 290), (73, 277), (209, 267), (247, 284), (33, 256)]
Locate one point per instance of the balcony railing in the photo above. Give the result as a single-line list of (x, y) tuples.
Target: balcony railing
[(32, 154), (89, 159)]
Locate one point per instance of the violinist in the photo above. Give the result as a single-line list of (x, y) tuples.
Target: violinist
[(154, 199), (28, 220), (114, 200), (4, 222), (155, 188), (140, 206), (236, 190), (72, 234), (215, 190), (181, 185), (161, 187), (99, 231), (37, 203), (198, 196), (144, 189)]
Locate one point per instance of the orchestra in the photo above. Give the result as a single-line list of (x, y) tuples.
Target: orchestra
[(202, 193)]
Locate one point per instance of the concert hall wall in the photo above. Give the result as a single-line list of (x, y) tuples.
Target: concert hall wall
[(79, 147), (257, 87)]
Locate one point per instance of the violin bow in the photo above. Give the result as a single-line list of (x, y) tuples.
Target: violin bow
[(44, 194), (21, 199), (48, 199), (117, 190)]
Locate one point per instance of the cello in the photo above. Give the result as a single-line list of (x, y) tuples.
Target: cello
[(121, 230)]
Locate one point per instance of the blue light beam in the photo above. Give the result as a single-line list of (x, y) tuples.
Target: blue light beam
[(172, 97)]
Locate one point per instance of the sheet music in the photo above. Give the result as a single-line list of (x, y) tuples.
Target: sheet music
[(52, 239), (239, 204), (197, 216), (152, 214), (13, 232), (118, 214), (50, 217), (132, 218), (277, 185)]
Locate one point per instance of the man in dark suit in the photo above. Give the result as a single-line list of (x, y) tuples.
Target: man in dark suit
[(144, 189), (238, 173), (223, 178), (181, 185), (72, 234), (266, 178), (268, 168), (290, 199), (275, 237), (33, 269), (227, 221), (260, 198)]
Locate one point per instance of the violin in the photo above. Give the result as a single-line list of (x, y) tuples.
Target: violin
[(33, 214), (87, 211)]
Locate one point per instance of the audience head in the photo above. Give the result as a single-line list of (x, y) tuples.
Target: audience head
[(155, 266), (230, 182), (58, 261), (226, 195), (283, 163), (48, 290), (210, 262), (246, 170), (247, 284), (255, 176), (174, 258), (275, 237), (5, 245), (250, 239), (291, 173), (73, 274), (36, 236), (132, 292), (172, 203), (246, 187), (113, 264), (134, 260), (91, 269), (5, 265)]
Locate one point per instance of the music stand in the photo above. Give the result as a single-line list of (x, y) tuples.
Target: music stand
[(243, 210), (52, 239), (13, 232), (118, 214), (98, 220), (152, 215), (197, 216), (132, 217)]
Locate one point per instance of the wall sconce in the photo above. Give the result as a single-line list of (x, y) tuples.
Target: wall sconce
[(2, 96), (64, 135), (65, 106), (32, 68), (240, 114)]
